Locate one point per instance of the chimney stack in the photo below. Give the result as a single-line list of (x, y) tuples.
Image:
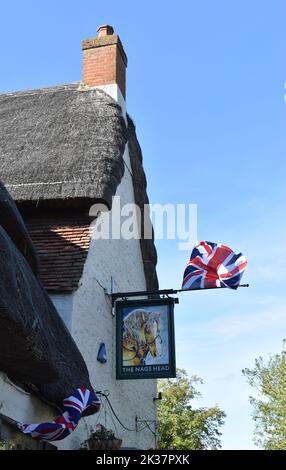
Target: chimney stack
[(104, 60)]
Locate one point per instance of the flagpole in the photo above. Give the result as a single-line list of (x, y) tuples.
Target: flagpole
[(125, 295)]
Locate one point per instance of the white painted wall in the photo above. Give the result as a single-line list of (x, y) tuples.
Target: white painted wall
[(64, 306), (93, 323), (87, 314), (19, 405)]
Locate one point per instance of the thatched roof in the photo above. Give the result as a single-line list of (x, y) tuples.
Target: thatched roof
[(148, 249), (35, 345), (64, 145), (60, 143), (12, 222)]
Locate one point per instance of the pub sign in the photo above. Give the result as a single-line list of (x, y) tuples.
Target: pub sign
[(145, 343)]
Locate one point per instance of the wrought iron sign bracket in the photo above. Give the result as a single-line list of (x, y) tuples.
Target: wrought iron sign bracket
[(157, 293), (145, 293)]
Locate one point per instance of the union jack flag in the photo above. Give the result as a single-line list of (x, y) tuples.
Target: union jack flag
[(213, 265), (64, 424)]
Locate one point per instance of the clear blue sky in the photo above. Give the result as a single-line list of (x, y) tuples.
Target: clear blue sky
[(206, 89)]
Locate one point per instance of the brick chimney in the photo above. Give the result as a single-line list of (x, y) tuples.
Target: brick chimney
[(104, 60)]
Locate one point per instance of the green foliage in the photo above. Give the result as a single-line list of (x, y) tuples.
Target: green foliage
[(179, 425), (269, 379), (7, 445)]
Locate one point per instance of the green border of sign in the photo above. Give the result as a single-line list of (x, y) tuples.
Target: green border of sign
[(119, 306)]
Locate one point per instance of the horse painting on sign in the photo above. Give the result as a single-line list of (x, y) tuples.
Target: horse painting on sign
[(141, 337), (145, 339)]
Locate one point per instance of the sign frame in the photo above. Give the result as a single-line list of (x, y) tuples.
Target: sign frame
[(152, 373)]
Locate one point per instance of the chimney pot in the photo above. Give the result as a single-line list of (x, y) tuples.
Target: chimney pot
[(105, 30)]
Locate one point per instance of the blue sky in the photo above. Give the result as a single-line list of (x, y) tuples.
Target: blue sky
[(205, 86)]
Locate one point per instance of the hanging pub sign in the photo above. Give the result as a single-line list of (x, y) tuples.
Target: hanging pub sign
[(145, 343)]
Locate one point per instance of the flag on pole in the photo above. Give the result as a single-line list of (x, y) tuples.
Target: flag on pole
[(64, 424), (213, 265)]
